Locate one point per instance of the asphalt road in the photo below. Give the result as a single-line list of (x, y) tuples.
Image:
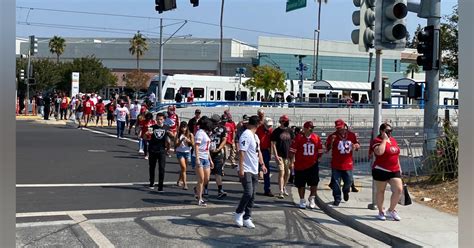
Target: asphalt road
[(77, 188)]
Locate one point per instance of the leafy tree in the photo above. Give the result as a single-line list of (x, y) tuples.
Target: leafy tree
[(267, 78), (138, 46), (412, 68), (56, 46), (137, 80), (449, 44), (48, 75), (414, 41)]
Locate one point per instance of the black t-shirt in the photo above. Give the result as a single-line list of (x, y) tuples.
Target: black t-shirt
[(192, 124), (217, 137), (283, 138), (158, 139)]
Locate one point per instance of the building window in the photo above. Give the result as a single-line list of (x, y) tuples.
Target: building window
[(198, 92)]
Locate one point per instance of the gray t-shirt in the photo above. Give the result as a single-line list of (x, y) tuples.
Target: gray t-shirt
[(250, 144)]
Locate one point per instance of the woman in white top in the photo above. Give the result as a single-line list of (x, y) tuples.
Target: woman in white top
[(183, 143), (201, 159)]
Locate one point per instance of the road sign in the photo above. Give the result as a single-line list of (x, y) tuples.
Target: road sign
[(75, 84), (295, 4)]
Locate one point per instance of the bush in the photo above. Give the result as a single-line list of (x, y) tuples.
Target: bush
[(445, 161)]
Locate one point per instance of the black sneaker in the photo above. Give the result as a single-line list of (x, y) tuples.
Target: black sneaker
[(160, 190), (269, 194), (354, 189), (346, 196), (336, 203), (221, 195)]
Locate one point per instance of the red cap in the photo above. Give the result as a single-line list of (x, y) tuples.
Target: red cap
[(308, 124), (284, 118), (340, 124)]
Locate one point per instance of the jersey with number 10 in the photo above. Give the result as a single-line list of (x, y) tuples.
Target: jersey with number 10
[(307, 150)]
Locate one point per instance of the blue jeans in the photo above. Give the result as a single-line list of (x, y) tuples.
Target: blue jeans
[(337, 175), (249, 183), (266, 177), (120, 128)]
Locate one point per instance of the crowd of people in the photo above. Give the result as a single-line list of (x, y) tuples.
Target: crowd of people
[(212, 143)]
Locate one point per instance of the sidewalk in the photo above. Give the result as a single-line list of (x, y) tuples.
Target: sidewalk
[(421, 226)]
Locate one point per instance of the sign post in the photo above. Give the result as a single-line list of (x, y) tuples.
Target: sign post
[(75, 84)]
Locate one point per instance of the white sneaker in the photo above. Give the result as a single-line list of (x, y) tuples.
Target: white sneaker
[(381, 216), (239, 219), (312, 204), (249, 224), (394, 215), (141, 151), (285, 192), (302, 204)]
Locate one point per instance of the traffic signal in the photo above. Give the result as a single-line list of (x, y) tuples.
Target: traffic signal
[(22, 74), (391, 31), (365, 19), (414, 91), (33, 45), (195, 3), (426, 42), (164, 5)]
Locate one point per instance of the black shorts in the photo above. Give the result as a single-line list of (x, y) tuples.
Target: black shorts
[(308, 177), (133, 122), (218, 164), (380, 175)]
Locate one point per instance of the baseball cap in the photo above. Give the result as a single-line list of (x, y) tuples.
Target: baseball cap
[(339, 123), (284, 118), (245, 119), (308, 124), (268, 122)]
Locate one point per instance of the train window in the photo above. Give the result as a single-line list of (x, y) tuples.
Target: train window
[(169, 94), (212, 96), (313, 97), (229, 95), (184, 91), (258, 96), (322, 95), (198, 92), (355, 97), (243, 96), (218, 95)]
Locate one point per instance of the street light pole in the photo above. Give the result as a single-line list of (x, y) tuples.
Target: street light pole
[(160, 86)]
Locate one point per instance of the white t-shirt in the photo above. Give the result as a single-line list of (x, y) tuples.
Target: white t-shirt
[(183, 146), (134, 111), (121, 113), (249, 143), (203, 140)]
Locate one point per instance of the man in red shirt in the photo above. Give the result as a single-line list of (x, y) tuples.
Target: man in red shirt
[(342, 143), (172, 119), (306, 151), (264, 133), (64, 105), (88, 105), (231, 128)]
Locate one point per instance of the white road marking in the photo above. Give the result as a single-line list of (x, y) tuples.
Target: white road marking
[(45, 223), (115, 211), (107, 134), (91, 230), (103, 184), (96, 150)]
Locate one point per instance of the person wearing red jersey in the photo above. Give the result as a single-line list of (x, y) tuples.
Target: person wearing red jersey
[(306, 152), (386, 169), (172, 119), (230, 151), (99, 112), (63, 106), (88, 106), (341, 143), (144, 125), (264, 133)]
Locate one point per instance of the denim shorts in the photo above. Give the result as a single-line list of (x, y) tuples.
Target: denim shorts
[(185, 155), (204, 163)]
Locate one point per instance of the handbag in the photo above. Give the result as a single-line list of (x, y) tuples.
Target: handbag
[(405, 198)]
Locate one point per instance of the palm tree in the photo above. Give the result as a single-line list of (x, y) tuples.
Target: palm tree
[(56, 46), (412, 68), (138, 46)]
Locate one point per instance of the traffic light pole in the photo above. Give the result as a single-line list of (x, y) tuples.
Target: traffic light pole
[(377, 97), (160, 84), (28, 76), (430, 124)]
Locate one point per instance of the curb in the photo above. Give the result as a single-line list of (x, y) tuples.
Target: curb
[(384, 237)]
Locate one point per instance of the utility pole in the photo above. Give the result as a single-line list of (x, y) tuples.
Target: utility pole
[(160, 84), (222, 38), (377, 97), (317, 45), (430, 123)]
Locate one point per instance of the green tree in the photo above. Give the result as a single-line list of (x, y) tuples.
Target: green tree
[(267, 78), (48, 74), (56, 46), (413, 42), (138, 46), (412, 68), (449, 44)]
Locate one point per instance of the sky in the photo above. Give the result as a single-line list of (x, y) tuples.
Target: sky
[(245, 20)]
